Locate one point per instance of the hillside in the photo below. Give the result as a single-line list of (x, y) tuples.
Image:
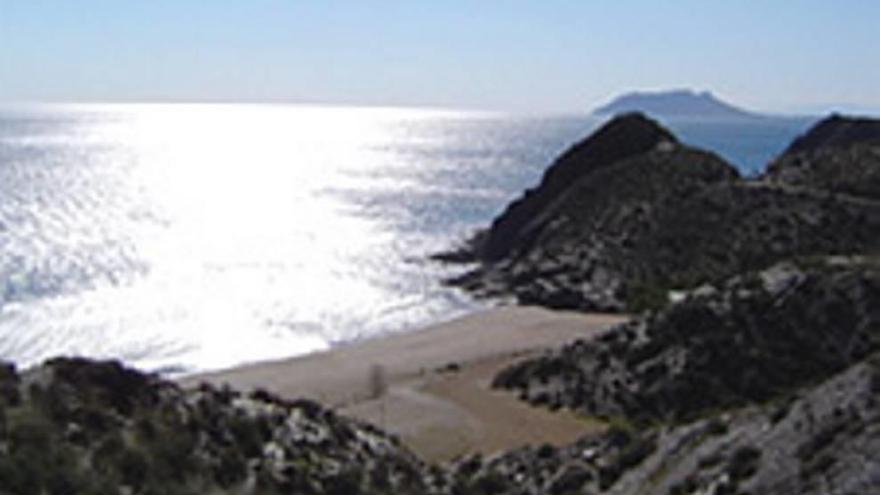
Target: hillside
[(839, 154), (74, 426), (763, 384), (673, 217)]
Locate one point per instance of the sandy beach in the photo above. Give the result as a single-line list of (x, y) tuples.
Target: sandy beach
[(434, 383)]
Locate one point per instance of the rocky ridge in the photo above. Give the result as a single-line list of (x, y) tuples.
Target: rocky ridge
[(840, 155), (761, 377), (672, 217), (626, 136), (752, 339), (77, 426), (837, 131), (822, 439)]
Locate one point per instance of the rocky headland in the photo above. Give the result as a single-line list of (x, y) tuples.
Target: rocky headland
[(754, 363), (618, 230)]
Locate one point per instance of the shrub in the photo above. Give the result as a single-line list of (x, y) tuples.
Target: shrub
[(744, 462), (645, 297)]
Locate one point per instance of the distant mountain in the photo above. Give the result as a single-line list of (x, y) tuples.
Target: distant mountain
[(675, 103)]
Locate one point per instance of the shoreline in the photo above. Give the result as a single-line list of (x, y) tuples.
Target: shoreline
[(431, 387)]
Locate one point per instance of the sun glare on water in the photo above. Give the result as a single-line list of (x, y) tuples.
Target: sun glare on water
[(237, 244)]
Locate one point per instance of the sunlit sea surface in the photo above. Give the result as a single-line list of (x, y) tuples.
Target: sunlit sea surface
[(193, 237)]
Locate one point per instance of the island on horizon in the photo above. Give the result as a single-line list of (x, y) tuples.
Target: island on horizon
[(676, 103)]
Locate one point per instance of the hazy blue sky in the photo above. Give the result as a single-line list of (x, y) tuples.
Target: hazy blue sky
[(556, 55)]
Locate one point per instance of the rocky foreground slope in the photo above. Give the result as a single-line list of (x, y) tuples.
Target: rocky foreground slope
[(74, 426), (823, 439), (624, 228), (765, 384)]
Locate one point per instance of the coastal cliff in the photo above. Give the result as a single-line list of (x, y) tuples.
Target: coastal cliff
[(670, 217), (763, 382)]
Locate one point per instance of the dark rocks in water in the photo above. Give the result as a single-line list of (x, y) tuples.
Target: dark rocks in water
[(837, 131), (623, 234), (753, 339), (622, 137), (840, 155)]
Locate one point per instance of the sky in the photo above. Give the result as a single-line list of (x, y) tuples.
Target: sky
[(521, 56)]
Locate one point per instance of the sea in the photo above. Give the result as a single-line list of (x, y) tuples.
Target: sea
[(189, 237)]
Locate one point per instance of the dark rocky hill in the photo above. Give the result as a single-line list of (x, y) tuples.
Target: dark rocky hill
[(837, 131), (752, 339), (672, 217), (765, 384), (823, 439), (839, 154), (625, 136), (679, 103), (78, 427)]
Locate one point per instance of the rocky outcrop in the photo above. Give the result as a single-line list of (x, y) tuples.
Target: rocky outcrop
[(840, 154), (750, 340), (837, 131), (673, 217), (765, 384), (625, 136), (822, 439), (75, 426), (760, 377), (71, 427)]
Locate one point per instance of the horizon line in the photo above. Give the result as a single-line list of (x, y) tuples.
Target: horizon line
[(805, 111)]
